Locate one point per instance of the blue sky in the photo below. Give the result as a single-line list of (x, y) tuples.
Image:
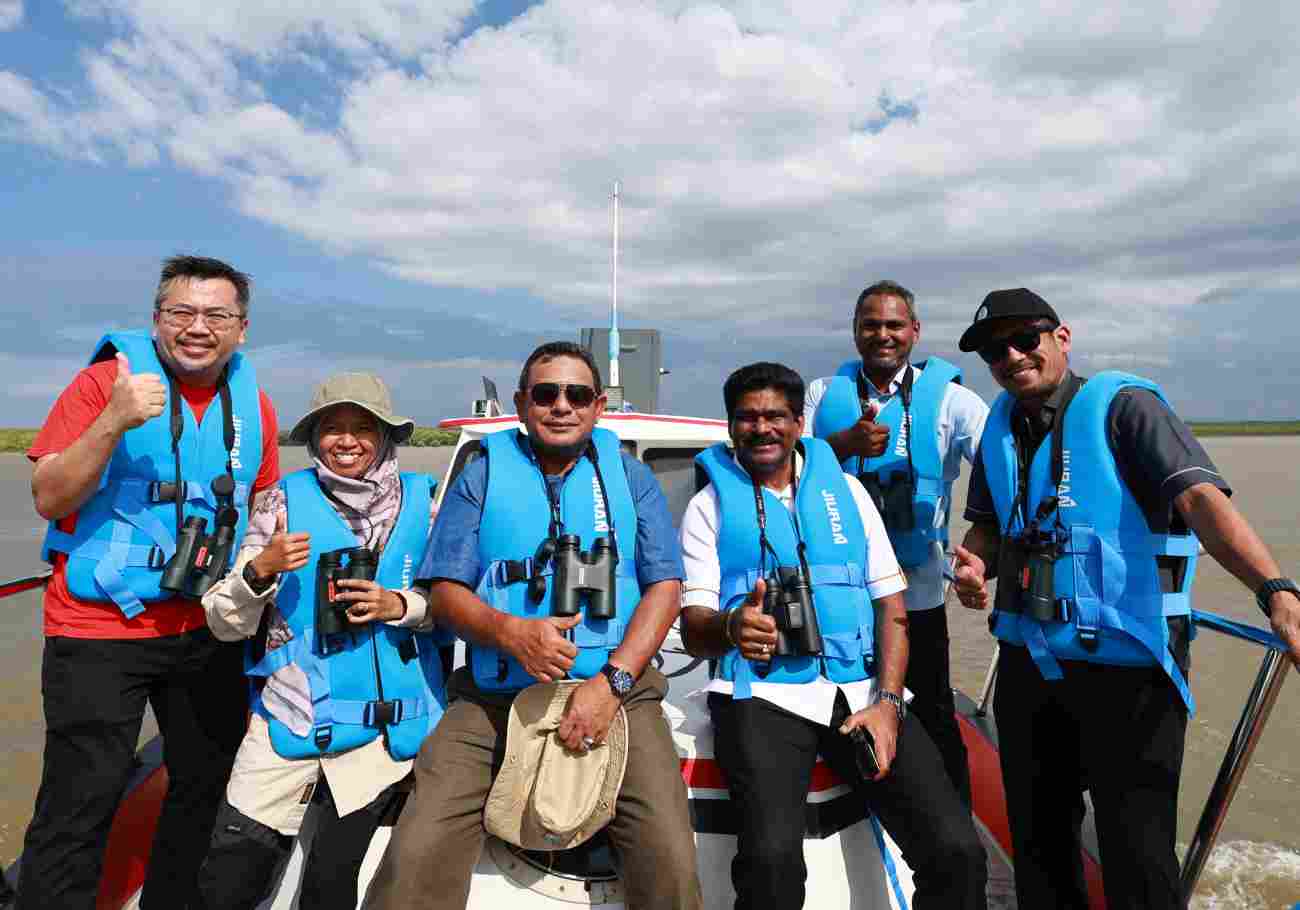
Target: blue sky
[(422, 188)]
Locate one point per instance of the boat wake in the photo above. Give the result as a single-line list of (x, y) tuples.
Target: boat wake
[(1244, 875)]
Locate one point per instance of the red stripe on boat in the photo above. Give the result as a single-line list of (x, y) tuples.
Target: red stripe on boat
[(705, 773), (129, 841)]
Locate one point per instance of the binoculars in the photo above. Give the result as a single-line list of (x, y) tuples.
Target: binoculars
[(582, 575), (201, 559), (1027, 575), (789, 600), (892, 497), (332, 614)]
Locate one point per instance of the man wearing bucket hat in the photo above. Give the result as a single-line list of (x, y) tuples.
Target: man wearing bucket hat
[(495, 559), (166, 428), (322, 586), (1087, 499)]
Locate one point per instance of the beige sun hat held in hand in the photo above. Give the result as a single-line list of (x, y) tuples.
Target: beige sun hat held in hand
[(546, 797), (365, 390)]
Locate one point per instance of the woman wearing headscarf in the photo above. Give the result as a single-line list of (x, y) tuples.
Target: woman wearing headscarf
[(346, 672)]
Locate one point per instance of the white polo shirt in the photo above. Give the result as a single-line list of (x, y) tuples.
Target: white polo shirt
[(961, 423), (811, 700)]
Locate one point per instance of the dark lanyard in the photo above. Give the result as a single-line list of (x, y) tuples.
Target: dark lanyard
[(553, 500), (1049, 503), (764, 545), (905, 396), (225, 493)]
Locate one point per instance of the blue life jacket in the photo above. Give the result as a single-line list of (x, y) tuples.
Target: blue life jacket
[(836, 543), (382, 678), (841, 407), (1106, 582), (123, 538), (516, 518)]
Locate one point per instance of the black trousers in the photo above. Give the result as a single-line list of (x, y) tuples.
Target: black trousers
[(245, 854), (1114, 731), (95, 693), (930, 681), (768, 756)]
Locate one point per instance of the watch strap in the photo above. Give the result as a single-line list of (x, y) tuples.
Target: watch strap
[(1265, 591), (620, 680), (256, 583), (900, 706)]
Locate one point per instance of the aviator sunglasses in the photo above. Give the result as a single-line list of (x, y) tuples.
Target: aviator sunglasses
[(1024, 342), (545, 394)]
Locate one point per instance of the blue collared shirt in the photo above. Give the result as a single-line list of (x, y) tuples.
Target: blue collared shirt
[(453, 552)]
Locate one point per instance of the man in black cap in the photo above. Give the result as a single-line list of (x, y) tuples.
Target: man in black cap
[(1087, 498)]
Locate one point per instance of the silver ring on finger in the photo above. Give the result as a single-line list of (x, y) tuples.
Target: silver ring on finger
[(588, 742)]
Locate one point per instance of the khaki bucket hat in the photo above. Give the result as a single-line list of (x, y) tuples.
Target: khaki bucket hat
[(546, 797), (365, 390)]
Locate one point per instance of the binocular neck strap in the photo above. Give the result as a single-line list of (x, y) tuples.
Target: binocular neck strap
[(905, 398), (178, 430), (604, 498), (760, 510), (1057, 466)]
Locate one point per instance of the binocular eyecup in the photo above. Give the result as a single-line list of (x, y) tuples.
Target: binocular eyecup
[(201, 559), (584, 576), (789, 600), (331, 613)]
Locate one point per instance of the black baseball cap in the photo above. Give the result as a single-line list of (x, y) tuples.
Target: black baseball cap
[(1013, 303)]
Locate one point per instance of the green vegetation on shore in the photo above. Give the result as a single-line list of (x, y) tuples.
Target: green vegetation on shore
[(1245, 427), (15, 440)]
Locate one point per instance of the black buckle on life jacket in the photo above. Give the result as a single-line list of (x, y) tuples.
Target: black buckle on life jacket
[(156, 558), (162, 491), (515, 570), (503, 668), (382, 713), (1089, 638), (323, 736)]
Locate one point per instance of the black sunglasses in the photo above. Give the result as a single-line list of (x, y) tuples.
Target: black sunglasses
[(545, 394), (1024, 342)]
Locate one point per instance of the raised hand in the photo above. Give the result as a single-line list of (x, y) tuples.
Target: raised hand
[(285, 553), (874, 437), (968, 580), (135, 397), (540, 646), (754, 632)]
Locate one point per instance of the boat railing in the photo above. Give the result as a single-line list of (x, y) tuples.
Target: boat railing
[(1250, 726)]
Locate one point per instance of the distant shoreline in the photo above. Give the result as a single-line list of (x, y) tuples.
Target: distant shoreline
[(18, 440)]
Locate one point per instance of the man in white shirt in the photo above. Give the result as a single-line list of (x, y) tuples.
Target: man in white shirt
[(891, 420), (777, 515)]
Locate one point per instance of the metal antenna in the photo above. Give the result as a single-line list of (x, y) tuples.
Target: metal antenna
[(613, 314)]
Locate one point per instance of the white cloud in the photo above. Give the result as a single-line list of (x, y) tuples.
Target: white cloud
[(11, 14), (1124, 159)]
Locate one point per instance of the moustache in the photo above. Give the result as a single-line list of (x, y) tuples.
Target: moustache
[(755, 441)]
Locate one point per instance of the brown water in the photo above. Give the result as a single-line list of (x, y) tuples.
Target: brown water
[(1256, 863)]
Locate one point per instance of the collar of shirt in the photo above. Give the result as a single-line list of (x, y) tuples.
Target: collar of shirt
[(1030, 428), (894, 384), (784, 494)]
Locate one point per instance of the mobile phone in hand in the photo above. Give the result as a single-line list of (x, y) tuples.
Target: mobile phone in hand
[(864, 752)]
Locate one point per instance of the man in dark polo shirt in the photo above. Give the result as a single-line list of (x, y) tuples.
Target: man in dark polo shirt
[(1092, 532)]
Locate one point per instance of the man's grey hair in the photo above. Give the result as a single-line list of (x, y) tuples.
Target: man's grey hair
[(887, 288), (188, 268)]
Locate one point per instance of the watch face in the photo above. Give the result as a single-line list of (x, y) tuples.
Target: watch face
[(620, 680)]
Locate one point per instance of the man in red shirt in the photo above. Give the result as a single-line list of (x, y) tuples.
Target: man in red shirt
[(114, 640)]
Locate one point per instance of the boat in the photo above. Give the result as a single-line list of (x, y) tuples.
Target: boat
[(851, 861)]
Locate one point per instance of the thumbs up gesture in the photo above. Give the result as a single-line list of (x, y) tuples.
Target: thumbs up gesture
[(968, 580), (136, 397), (755, 631), (285, 553)]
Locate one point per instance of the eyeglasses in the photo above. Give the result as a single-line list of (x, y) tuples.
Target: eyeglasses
[(545, 394), (182, 317), (1023, 341)]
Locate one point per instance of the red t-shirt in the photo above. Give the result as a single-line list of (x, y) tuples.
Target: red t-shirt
[(74, 412)]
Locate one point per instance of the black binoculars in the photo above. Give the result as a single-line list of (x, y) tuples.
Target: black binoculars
[(201, 559), (1027, 575), (578, 576), (332, 614), (789, 600), (893, 498)]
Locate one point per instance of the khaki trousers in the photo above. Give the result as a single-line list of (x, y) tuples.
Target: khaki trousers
[(440, 834)]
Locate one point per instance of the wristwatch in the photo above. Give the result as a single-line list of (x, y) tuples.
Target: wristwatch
[(1271, 587), (897, 701), (620, 681), (256, 583)]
